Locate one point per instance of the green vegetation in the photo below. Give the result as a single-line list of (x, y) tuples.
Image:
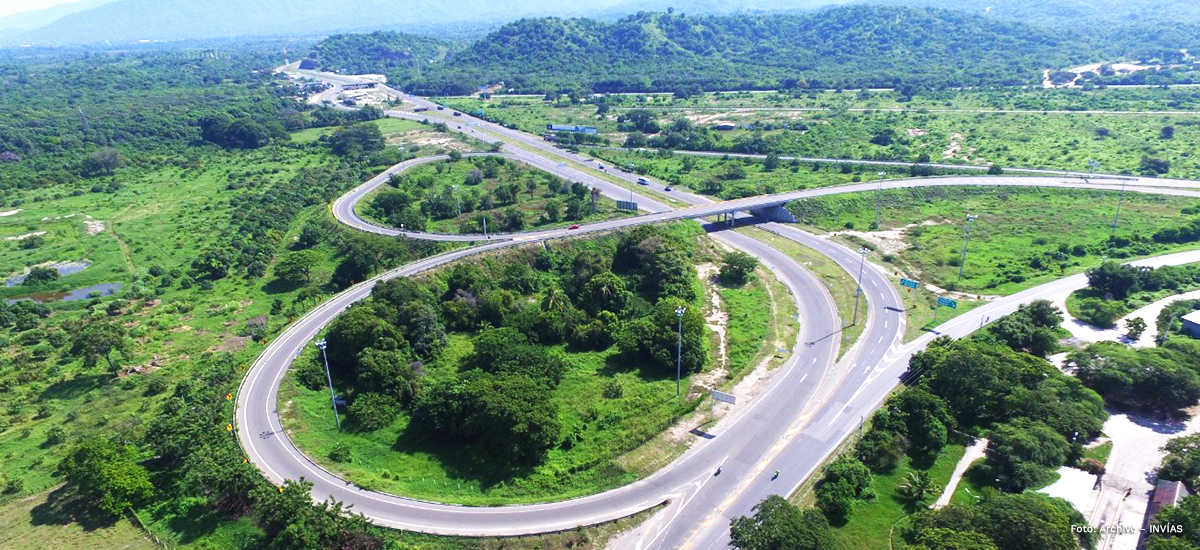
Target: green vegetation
[(1022, 237), (875, 496), (498, 376), (1163, 379), (869, 526), (876, 46), (1049, 129), (734, 178), (458, 195), (376, 52), (778, 523), (1116, 289), (841, 287), (1169, 323), (58, 520)]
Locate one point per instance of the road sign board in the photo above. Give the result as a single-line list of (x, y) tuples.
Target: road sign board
[(626, 205), (724, 397), (908, 283), (953, 304)]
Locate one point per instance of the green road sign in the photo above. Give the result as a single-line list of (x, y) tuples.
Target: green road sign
[(626, 205), (908, 283), (953, 304)]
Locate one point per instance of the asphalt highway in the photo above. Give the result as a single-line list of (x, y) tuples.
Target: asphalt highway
[(808, 407)]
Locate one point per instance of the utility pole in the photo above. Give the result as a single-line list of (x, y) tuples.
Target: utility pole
[(332, 398), (1117, 217), (878, 188), (966, 243), (679, 350), (485, 235), (858, 293), (457, 203)]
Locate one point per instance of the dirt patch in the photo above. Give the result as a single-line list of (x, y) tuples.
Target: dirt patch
[(955, 147), (914, 132), (426, 138), (25, 236), (234, 343), (93, 227), (717, 319), (49, 219), (181, 328), (889, 241), (7, 213)]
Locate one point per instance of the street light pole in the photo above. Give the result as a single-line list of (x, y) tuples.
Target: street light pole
[(1117, 217), (679, 350), (332, 398), (631, 176), (862, 252), (966, 243)]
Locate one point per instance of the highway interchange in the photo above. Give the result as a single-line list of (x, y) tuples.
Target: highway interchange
[(813, 402)]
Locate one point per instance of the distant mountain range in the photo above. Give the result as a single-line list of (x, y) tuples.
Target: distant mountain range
[(123, 21)]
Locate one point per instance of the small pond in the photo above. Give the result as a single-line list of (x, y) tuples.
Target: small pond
[(85, 293), (63, 269)]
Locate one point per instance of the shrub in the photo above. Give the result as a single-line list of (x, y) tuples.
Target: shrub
[(373, 411), (56, 435), (340, 453), (1099, 312)]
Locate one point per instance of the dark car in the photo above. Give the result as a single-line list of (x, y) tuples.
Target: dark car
[(575, 226), (669, 189)]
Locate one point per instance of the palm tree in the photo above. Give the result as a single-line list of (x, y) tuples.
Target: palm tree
[(917, 486), (554, 300)]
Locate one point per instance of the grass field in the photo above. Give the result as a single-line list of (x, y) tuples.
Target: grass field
[(1022, 237), (870, 525), (839, 283), (733, 178), (54, 520), (961, 127)]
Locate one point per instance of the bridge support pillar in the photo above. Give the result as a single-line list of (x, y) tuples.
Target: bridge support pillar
[(775, 213)]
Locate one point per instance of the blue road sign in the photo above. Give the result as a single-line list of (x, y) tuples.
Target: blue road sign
[(953, 304), (908, 283)]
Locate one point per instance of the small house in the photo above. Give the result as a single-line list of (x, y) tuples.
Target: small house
[(1191, 323)]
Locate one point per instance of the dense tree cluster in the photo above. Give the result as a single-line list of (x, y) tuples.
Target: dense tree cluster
[(591, 294), (1035, 414), (1111, 284), (1164, 378), (491, 188), (241, 133), (1002, 522), (778, 524)]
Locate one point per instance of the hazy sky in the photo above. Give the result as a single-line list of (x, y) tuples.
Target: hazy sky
[(8, 7)]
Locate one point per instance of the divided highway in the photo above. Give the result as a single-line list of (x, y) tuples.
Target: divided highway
[(803, 414)]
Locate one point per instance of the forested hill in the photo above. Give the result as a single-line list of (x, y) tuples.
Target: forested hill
[(378, 52), (850, 46)]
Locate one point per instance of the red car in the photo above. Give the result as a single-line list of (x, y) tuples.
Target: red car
[(576, 226)]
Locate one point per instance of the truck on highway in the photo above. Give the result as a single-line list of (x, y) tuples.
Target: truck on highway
[(643, 181)]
